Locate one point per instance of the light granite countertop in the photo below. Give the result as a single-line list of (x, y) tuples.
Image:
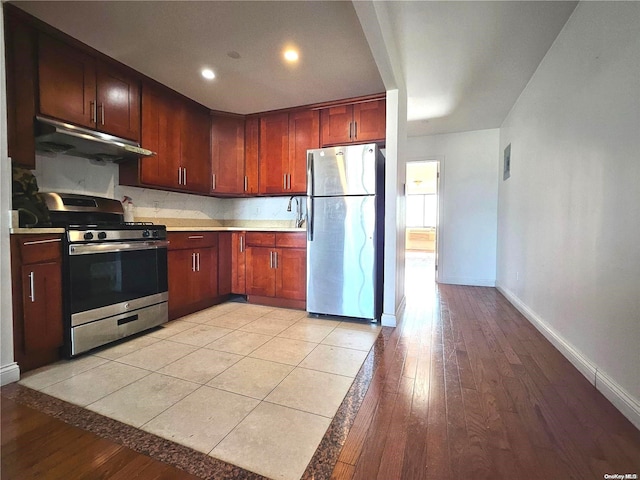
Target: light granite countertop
[(35, 231)]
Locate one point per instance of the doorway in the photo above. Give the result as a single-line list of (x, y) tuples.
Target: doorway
[(422, 207)]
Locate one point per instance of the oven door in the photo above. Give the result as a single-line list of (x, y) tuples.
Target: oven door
[(109, 279)]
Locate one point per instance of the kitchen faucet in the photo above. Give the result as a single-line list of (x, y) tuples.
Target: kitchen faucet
[(299, 219)]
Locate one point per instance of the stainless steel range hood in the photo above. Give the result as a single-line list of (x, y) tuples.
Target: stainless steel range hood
[(56, 137)]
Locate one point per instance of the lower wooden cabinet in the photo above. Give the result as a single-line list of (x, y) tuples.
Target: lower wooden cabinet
[(238, 263), (192, 263), (276, 269), (36, 269)]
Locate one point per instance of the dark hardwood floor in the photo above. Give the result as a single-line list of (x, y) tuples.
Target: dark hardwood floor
[(469, 389), (466, 389)]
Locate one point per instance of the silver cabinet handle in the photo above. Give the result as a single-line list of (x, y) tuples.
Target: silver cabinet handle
[(102, 113), (246, 183), (184, 175), (241, 243), (270, 259), (198, 259), (350, 130), (355, 130), (193, 262), (32, 287), (92, 107), (38, 242), (289, 181), (284, 181), (275, 256), (195, 237), (213, 181), (179, 175)]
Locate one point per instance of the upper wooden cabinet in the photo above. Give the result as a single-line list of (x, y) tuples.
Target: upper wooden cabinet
[(179, 133), (81, 89), (227, 155), (284, 140), (355, 123), (251, 157)]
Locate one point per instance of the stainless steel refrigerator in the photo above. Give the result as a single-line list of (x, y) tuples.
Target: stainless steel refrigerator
[(345, 223)]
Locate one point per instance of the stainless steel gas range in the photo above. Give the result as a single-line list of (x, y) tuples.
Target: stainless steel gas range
[(115, 273)]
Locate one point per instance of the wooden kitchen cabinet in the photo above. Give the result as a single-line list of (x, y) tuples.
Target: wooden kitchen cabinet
[(238, 263), (284, 140), (76, 87), (251, 157), (225, 260), (179, 133), (276, 269), (227, 155), (36, 268), (192, 263), (354, 123)]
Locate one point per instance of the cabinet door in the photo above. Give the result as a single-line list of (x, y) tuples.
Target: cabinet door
[(251, 142), (370, 121), (227, 155), (42, 306), (238, 265), (67, 82), (118, 107), (196, 149), (291, 273), (180, 268), (204, 280), (304, 133), (336, 125), (261, 277), (274, 152), (225, 261), (161, 133)]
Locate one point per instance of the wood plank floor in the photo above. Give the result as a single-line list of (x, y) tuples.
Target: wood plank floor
[(35, 445), (468, 388)]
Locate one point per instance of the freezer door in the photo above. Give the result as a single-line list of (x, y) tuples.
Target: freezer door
[(342, 171), (341, 257)]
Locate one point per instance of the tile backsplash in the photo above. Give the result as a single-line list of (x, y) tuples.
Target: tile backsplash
[(78, 175)]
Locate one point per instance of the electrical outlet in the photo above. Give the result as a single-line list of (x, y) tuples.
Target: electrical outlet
[(156, 206)]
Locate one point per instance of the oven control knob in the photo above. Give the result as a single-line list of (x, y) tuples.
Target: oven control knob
[(102, 235), (88, 236), (146, 233), (156, 233)]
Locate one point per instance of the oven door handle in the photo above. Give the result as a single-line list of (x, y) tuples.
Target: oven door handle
[(110, 247)]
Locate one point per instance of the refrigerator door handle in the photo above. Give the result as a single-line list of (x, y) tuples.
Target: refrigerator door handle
[(310, 219), (310, 174)]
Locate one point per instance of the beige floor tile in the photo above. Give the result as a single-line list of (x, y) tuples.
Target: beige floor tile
[(338, 360), (230, 321), (59, 371), (284, 350), (361, 326), (342, 337), (201, 365), (274, 441), (171, 328), (157, 355), (226, 307), (286, 313), (252, 377), (241, 343), (92, 385), (320, 321), (200, 335), (125, 347), (201, 419), (307, 332), (255, 309), (140, 401), (311, 391), (267, 326), (202, 316)]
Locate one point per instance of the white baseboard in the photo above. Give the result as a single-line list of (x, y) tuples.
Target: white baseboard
[(9, 373), (620, 398), (389, 320), (473, 282)]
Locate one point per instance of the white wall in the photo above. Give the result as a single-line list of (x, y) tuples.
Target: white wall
[(79, 175), (9, 371), (569, 216), (468, 203)]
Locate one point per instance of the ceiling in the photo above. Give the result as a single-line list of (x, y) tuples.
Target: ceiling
[(464, 63)]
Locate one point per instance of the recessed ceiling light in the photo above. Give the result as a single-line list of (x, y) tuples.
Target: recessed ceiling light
[(233, 54), (208, 74), (291, 55)]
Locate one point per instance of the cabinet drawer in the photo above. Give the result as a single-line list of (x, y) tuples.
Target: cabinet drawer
[(185, 240), (289, 240), (261, 239), (40, 248)]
